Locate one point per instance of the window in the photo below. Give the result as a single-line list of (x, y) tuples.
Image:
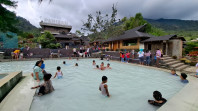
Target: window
[(129, 42)]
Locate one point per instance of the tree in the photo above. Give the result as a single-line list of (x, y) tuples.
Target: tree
[(100, 22), (47, 40), (79, 33), (138, 20), (7, 18)]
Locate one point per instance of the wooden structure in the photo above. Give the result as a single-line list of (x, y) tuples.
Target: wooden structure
[(136, 38), (63, 35)]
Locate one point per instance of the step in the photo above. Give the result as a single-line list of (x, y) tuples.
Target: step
[(172, 62), (167, 57), (20, 97), (181, 67), (176, 65), (168, 60)]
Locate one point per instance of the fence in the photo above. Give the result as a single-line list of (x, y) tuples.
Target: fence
[(8, 40)]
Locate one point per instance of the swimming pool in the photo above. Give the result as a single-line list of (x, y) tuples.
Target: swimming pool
[(129, 86)]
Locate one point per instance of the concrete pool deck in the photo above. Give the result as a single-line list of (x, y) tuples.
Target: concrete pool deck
[(21, 96)]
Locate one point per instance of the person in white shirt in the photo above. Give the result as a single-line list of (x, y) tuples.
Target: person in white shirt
[(141, 56)]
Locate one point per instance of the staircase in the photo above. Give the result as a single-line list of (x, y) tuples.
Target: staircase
[(170, 63)]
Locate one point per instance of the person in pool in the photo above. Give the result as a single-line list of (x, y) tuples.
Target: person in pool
[(59, 73), (102, 66), (37, 71), (94, 63), (183, 78), (64, 62), (46, 87), (104, 87), (173, 72), (108, 66), (97, 67), (76, 64), (159, 100)]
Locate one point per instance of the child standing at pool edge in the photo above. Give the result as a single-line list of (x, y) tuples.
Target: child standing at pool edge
[(104, 87), (59, 73)]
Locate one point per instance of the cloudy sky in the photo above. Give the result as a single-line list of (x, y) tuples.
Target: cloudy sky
[(76, 11)]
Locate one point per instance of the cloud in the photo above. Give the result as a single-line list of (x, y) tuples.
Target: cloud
[(74, 11)]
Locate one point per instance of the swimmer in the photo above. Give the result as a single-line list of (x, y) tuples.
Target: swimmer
[(97, 67), (76, 64), (59, 73), (173, 72), (102, 66), (64, 62), (94, 63), (159, 100), (108, 66), (104, 87)]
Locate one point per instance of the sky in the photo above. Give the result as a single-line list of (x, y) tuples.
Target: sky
[(73, 12)]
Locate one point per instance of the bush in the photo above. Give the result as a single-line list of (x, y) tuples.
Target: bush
[(192, 63), (191, 47), (183, 60), (174, 57), (107, 49), (187, 62)]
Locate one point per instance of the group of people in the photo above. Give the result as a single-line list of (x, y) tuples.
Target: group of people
[(102, 67), (39, 73), (82, 52), (18, 53), (125, 57)]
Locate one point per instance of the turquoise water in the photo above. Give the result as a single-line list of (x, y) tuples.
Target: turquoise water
[(129, 86), (2, 75)]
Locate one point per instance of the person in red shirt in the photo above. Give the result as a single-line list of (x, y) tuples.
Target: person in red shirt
[(127, 56), (123, 55)]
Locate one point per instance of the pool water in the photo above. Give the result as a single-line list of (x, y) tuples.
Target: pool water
[(2, 76), (130, 86)]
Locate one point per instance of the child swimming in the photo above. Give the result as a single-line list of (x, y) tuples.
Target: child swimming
[(108, 66), (159, 100), (173, 72), (102, 66), (183, 78), (76, 64), (94, 63), (104, 87), (64, 62), (46, 87), (59, 73)]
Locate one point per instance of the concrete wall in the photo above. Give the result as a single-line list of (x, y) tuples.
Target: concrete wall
[(40, 53), (9, 82), (177, 48)]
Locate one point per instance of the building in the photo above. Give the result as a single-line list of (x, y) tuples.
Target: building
[(63, 35), (136, 38)]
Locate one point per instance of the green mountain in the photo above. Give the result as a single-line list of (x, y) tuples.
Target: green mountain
[(24, 25), (174, 24)]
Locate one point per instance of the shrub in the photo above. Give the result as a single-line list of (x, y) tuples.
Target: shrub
[(183, 59), (174, 57), (192, 63), (107, 49), (187, 62)]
